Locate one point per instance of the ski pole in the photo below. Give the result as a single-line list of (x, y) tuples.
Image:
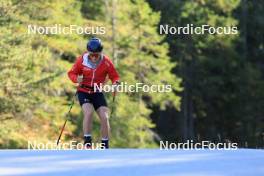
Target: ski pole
[(68, 114), (113, 101)]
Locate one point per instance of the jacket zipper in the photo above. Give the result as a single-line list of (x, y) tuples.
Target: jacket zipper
[(93, 78), (94, 72)]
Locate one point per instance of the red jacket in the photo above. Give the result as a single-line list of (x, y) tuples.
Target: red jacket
[(92, 75)]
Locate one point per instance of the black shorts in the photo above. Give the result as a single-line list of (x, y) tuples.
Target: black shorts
[(97, 99)]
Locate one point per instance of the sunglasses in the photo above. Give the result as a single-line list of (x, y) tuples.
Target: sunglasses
[(97, 55)]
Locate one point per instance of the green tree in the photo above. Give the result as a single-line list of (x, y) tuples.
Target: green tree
[(221, 98), (34, 82), (141, 56), (35, 91)]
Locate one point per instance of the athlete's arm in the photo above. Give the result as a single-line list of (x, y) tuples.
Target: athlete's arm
[(75, 70), (112, 73)]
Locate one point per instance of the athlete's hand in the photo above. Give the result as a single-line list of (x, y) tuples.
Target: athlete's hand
[(115, 87), (80, 79)]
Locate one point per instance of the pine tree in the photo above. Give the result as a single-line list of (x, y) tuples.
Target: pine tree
[(140, 56)]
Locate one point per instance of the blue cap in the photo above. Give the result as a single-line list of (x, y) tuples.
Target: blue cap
[(94, 45)]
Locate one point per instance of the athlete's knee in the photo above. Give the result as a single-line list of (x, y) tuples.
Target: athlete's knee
[(87, 110), (104, 117), (87, 114), (103, 113)]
